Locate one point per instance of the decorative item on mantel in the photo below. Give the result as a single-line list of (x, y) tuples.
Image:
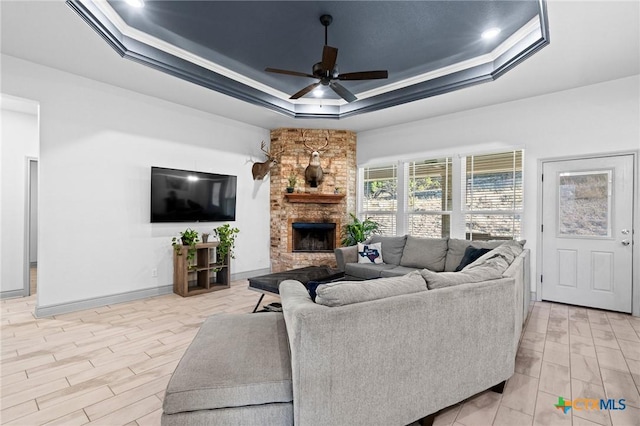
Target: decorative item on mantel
[(292, 182)]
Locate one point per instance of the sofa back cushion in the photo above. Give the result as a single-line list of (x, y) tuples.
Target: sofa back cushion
[(392, 247), (427, 253), (342, 293), (456, 248)]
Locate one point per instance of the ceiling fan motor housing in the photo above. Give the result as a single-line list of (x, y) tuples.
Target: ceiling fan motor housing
[(325, 75)]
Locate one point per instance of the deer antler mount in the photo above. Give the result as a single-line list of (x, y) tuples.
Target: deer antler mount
[(260, 170)]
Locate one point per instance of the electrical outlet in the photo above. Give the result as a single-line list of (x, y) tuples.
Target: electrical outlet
[(154, 273)]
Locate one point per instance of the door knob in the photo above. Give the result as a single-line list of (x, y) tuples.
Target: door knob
[(626, 242)]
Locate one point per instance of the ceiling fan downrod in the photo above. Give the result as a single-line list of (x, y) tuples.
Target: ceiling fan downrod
[(326, 20)]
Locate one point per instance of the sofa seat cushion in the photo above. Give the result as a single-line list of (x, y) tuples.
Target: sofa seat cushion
[(366, 271), (342, 293), (234, 361), (427, 253), (392, 248), (398, 271)]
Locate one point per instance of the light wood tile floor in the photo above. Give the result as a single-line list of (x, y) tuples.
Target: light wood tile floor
[(110, 365)]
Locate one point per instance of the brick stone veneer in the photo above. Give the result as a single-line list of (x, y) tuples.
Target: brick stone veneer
[(338, 162)]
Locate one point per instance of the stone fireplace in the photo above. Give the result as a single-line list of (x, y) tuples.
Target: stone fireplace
[(307, 225)]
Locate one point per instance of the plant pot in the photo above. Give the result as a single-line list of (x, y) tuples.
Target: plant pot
[(205, 237), (290, 190)]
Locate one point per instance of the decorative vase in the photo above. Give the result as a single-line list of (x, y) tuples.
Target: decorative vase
[(205, 237)]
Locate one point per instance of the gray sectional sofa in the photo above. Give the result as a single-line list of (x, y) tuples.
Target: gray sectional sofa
[(388, 351)]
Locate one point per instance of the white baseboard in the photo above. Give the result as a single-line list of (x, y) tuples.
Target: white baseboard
[(78, 305), (249, 274), (11, 294), (96, 302)]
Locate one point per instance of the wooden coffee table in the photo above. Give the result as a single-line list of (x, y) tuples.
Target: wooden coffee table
[(270, 283)]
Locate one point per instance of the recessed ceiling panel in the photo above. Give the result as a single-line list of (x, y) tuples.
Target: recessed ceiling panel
[(427, 47)]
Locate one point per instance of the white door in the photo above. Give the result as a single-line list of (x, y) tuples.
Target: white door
[(587, 209)]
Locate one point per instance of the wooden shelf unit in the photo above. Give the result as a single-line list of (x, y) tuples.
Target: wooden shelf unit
[(204, 275)]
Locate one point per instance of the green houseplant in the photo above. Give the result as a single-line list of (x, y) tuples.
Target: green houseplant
[(227, 237), (292, 182), (358, 231), (188, 237)]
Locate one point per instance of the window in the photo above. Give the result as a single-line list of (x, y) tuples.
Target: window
[(429, 201), (379, 198), (417, 197), (493, 196)]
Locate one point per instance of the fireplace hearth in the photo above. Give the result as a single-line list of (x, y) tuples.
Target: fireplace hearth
[(313, 237)]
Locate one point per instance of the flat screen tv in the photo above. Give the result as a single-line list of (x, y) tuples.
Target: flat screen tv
[(188, 196)]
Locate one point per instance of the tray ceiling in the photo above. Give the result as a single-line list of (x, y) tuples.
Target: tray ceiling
[(428, 47)]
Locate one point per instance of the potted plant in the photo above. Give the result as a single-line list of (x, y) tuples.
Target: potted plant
[(188, 237), (292, 183), (227, 237), (358, 231)]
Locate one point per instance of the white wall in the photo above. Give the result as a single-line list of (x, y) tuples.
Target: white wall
[(97, 146), (594, 119), (19, 141)]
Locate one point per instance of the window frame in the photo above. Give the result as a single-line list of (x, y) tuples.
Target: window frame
[(458, 208)]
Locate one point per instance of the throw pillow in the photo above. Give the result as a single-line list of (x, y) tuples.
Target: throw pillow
[(471, 253), (370, 253), (342, 293)]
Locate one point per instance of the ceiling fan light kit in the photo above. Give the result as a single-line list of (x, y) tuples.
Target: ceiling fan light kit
[(326, 71)]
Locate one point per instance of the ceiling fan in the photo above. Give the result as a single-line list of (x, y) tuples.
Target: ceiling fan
[(327, 72)]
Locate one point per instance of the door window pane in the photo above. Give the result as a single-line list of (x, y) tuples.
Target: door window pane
[(584, 204)]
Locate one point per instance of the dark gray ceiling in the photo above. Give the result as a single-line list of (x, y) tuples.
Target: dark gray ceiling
[(407, 38)]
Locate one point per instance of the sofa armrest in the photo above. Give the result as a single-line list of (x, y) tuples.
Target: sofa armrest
[(346, 255)]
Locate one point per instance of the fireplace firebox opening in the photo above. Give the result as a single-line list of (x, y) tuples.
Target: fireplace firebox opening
[(313, 237)]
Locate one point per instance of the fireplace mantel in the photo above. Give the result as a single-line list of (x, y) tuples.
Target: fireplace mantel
[(314, 198)]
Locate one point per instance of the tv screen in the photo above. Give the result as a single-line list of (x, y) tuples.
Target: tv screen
[(188, 196)]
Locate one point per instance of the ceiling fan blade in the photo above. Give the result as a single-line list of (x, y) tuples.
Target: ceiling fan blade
[(287, 72), (329, 58), (304, 91), (342, 91), (364, 75)]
